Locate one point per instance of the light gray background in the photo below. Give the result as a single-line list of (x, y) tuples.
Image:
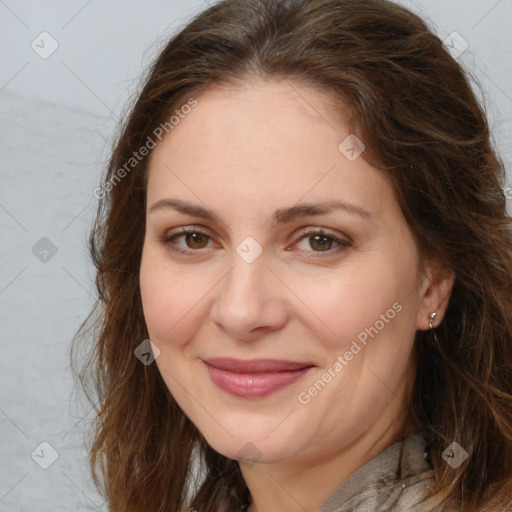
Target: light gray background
[(57, 117)]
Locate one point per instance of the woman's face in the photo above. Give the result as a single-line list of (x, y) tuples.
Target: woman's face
[(251, 172)]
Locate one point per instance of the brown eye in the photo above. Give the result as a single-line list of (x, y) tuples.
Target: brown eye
[(196, 240), (186, 241), (193, 241), (320, 242)]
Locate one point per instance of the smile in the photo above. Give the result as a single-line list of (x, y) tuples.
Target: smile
[(254, 378)]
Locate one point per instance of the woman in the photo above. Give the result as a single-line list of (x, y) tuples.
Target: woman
[(306, 217)]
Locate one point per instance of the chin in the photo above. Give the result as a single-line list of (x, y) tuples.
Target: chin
[(253, 444)]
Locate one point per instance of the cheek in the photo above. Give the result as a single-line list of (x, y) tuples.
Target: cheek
[(354, 300), (171, 300)]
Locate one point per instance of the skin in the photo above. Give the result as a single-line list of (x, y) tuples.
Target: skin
[(245, 151)]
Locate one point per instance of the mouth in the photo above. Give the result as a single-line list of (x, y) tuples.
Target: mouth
[(254, 378)]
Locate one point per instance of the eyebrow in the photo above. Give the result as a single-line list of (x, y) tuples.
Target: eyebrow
[(281, 216)]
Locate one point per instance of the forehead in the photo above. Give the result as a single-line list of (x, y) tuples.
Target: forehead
[(271, 142)]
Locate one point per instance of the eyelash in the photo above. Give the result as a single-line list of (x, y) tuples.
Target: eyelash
[(168, 241)]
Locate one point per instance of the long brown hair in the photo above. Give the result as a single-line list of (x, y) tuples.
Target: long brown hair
[(413, 106)]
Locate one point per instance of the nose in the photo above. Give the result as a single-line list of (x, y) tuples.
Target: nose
[(250, 300)]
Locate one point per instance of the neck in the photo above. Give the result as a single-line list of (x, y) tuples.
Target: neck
[(303, 485)]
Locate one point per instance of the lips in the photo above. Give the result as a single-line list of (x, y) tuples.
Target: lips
[(255, 365), (254, 378)]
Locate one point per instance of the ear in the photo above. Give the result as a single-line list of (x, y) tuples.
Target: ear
[(435, 292)]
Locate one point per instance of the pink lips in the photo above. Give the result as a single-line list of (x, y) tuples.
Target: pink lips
[(254, 378)]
